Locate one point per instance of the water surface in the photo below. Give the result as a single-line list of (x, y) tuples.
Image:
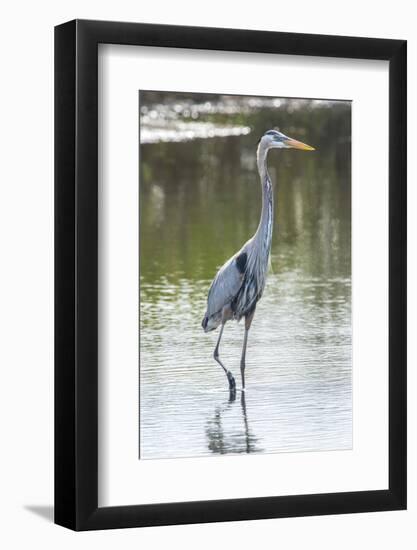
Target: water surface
[(200, 200)]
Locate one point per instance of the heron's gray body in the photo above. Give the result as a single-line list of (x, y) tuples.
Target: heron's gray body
[(240, 282)]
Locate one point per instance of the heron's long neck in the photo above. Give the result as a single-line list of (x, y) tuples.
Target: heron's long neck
[(264, 231)]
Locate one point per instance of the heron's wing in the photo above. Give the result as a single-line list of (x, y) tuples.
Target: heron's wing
[(226, 283)]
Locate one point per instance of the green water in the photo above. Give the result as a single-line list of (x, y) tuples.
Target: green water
[(200, 200)]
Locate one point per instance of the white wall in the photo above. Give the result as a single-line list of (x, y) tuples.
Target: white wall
[(26, 300)]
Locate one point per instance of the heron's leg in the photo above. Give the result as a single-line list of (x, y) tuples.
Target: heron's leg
[(232, 383), (248, 322)]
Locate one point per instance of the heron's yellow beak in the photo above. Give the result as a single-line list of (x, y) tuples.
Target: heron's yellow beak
[(298, 145)]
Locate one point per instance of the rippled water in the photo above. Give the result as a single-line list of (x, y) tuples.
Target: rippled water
[(200, 201)]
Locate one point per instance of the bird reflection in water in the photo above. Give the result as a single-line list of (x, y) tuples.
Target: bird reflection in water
[(228, 430)]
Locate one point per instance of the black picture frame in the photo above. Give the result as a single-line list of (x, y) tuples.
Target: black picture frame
[(76, 272)]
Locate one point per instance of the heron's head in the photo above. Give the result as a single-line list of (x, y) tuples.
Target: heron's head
[(272, 139)]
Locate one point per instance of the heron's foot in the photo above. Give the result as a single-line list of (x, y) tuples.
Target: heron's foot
[(232, 395), (232, 383)]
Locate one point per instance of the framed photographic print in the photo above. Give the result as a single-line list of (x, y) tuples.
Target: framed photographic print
[(230, 275)]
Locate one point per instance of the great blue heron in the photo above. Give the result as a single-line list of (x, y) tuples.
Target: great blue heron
[(239, 283)]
